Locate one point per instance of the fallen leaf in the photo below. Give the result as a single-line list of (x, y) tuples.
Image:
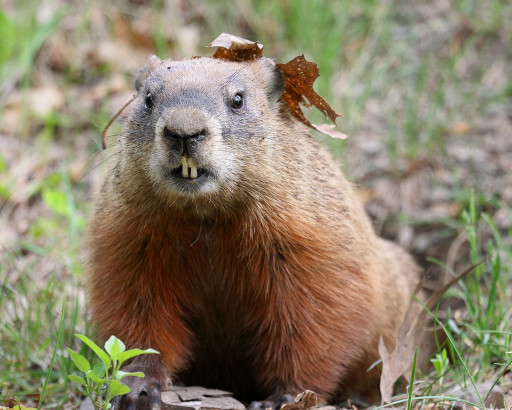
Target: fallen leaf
[(304, 400), (410, 336), (233, 48), (399, 361)]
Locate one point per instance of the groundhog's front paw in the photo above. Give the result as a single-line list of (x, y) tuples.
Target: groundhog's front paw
[(145, 393), (272, 402)]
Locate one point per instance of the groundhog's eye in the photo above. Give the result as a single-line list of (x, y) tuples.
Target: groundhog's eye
[(148, 102), (238, 101)]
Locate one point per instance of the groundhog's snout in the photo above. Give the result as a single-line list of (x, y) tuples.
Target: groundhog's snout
[(185, 130), (186, 144)]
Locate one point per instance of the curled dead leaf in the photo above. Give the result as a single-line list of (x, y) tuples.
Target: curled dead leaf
[(234, 48)]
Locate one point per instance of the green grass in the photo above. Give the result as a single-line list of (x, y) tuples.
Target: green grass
[(480, 347), (392, 70), (33, 303)]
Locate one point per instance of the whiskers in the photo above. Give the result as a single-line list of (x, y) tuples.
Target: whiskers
[(100, 157)]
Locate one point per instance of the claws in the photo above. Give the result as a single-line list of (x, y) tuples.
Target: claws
[(146, 392), (271, 403), (143, 395)]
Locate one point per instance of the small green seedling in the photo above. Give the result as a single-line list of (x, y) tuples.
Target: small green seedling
[(105, 376), (441, 363)]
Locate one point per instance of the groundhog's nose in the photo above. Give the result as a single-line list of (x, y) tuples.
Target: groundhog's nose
[(184, 144), (184, 129)]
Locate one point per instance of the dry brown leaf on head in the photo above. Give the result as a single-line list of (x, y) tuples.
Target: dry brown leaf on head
[(234, 48), (409, 337)]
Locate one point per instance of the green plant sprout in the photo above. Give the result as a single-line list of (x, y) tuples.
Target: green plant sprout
[(105, 376), (441, 363)]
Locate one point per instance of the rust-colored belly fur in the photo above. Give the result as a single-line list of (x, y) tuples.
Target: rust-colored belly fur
[(250, 311)]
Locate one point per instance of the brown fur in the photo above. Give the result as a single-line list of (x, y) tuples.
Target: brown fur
[(270, 282)]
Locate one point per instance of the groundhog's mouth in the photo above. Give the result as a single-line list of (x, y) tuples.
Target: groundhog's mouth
[(188, 169)]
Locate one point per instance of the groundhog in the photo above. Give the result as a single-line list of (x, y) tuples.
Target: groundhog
[(226, 237)]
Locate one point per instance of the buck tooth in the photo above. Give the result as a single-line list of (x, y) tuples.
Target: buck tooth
[(193, 168), (184, 167)]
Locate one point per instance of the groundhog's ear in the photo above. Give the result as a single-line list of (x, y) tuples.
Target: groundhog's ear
[(272, 77), (144, 73)]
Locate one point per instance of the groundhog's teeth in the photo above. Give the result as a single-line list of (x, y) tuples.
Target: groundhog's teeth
[(193, 168), (184, 167)]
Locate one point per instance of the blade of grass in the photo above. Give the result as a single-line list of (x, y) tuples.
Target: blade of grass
[(411, 382), (497, 379), (422, 398), (455, 349), (50, 369), (63, 401)]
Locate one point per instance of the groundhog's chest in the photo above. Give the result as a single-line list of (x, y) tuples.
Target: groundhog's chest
[(210, 270)]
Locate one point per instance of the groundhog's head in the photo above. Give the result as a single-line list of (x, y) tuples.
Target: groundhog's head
[(201, 127)]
